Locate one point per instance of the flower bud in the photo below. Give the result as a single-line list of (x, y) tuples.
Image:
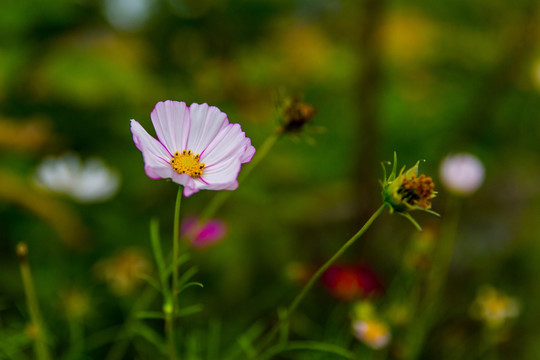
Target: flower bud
[(407, 191), (296, 115)]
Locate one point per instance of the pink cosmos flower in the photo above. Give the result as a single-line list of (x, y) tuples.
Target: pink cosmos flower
[(203, 235), (196, 147)]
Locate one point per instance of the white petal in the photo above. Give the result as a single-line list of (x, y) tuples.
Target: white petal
[(229, 142), (206, 122), (249, 152), (96, 182), (222, 176), (155, 155), (190, 186), (171, 121)]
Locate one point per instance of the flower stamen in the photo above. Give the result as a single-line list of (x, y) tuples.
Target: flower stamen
[(417, 191), (187, 162)]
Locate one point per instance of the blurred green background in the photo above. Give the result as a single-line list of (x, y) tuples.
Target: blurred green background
[(423, 78)]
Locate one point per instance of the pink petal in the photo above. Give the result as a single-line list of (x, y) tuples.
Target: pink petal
[(190, 186), (222, 176), (248, 153), (229, 142), (203, 235), (172, 123), (206, 122), (155, 155)]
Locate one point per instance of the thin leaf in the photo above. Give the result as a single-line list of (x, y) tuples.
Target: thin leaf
[(182, 259), (432, 212), (151, 336), (213, 340), (189, 284), (247, 347), (149, 315), (411, 219), (394, 168), (189, 310), (249, 336), (187, 275), (310, 345), (158, 254), (284, 328), (151, 281), (385, 179)]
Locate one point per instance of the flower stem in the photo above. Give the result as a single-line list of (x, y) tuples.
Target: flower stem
[(38, 331), (171, 313), (294, 304), (222, 196), (326, 265)]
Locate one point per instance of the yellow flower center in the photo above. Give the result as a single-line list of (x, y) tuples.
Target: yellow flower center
[(187, 163), (495, 305), (374, 331)]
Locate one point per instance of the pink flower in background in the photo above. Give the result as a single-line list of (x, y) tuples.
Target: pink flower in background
[(196, 147), (351, 282), (202, 235)]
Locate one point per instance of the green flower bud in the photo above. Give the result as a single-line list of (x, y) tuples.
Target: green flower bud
[(406, 191)]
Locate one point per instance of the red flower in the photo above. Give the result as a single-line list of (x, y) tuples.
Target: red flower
[(351, 282)]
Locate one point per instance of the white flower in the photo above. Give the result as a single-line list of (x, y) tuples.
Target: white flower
[(91, 181), (462, 173)]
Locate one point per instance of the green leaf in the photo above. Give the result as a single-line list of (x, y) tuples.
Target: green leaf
[(432, 212), (13, 343), (246, 340), (149, 315), (151, 281), (151, 336), (309, 345), (189, 310), (284, 328), (213, 340), (182, 259), (189, 284), (411, 219), (187, 275), (158, 254)]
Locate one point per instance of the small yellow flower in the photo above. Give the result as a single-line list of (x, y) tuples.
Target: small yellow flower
[(76, 303), (494, 307), (124, 272), (372, 332), (368, 328), (407, 191)]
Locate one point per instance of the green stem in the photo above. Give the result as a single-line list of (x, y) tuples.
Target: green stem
[(222, 196), (170, 313), (326, 265), (294, 304), (76, 337), (40, 344)]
